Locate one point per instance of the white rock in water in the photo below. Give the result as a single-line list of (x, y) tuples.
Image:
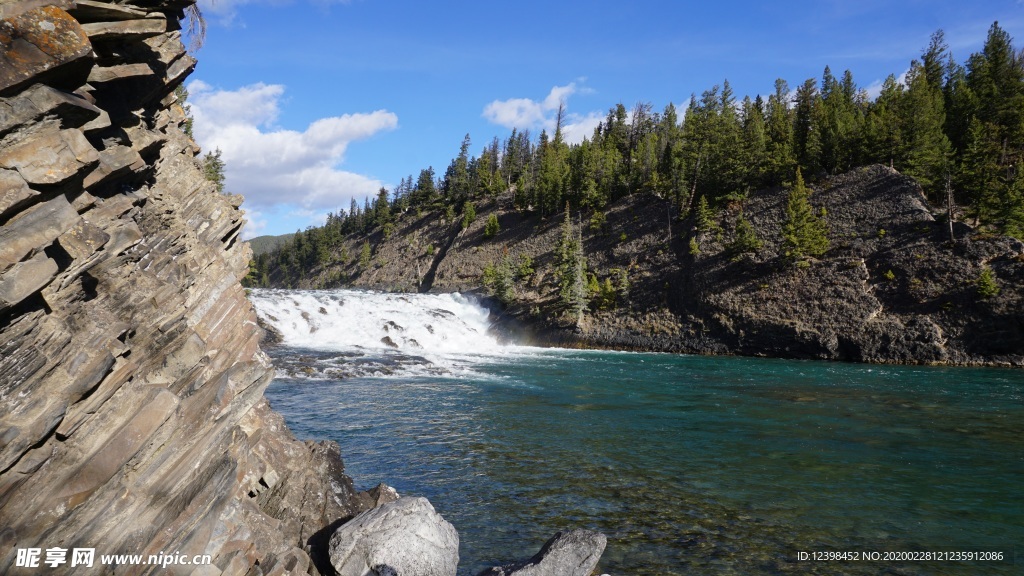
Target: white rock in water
[(405, 538)]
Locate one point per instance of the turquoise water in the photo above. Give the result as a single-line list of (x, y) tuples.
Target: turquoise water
[(691, 465)]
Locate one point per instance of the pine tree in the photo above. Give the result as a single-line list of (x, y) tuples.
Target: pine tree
[(425, 192), (961, 104), (745, 240), (381, 208), (807, 127), (213, 168), (492, 227), (572, 279), (995, 139), (456, 178), (988, 286), (928, 148), (501, 280), (726, 162), (779, 130), (468, 214), (1011, 210), (883, 131), (996, 76), (182, 94), (980, 173), (364, 256), (840, 126), (755, 149), (670, 165), (705, 218), (804, 233), (552, 171)]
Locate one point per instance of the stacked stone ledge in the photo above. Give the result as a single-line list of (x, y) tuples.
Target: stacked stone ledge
[(132, 418)]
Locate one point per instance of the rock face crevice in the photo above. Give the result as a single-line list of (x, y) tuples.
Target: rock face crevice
[(132, 418)]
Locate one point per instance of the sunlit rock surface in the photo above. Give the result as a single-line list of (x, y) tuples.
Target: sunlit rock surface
[(132, 418)]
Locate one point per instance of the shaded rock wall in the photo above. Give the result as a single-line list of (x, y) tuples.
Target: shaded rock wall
[(132, 417)]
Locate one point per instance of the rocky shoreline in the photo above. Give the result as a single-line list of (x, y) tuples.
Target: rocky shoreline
[(132, 417)]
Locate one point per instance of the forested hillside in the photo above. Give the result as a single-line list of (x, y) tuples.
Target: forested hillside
[(659, 222), (957, 128)]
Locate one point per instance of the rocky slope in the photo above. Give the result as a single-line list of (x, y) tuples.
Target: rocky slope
[(892, 288), (132, 419)]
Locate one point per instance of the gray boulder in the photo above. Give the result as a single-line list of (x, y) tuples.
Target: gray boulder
[(574, 553), (401, 538)]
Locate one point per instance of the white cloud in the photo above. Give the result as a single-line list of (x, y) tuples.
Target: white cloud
[(524, 113), (271, 165), (875, 88), (515, 113), (582, 127), (225, 11), (255, 224)]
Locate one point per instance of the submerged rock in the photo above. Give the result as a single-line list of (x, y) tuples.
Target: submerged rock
[(406, 537), (382, 494), (574, 553)]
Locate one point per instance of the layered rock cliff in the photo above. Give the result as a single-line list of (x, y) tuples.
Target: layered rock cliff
[(892, 288), (132, 418)]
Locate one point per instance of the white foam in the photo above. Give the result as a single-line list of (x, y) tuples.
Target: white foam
[(448, 331), (343, 319)]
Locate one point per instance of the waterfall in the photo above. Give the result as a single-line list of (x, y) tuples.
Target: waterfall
[(345, 333)]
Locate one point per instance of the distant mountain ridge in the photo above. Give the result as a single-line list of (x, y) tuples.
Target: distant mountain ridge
[(267, 243)]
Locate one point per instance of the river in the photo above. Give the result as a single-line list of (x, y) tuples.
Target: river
[(689, 464)]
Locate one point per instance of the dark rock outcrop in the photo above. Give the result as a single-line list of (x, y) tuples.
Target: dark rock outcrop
[(574, 553), (892, 288), (132, 418)]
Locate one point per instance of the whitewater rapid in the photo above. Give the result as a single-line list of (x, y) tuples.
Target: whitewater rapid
[(353, 333)]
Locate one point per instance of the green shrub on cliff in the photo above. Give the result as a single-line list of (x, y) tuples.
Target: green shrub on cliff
[(746, 240), (492, 227), (500, 280), (602, 294), (468, 214), (364, 256), (213, 168), (525, 268), (704, 216), (988, 286)]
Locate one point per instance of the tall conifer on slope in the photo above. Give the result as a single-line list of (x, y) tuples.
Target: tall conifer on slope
[(1011, 210), (995, 135), (928, 150), (779, 130), (804, 233), (807, 126), (572, 279)]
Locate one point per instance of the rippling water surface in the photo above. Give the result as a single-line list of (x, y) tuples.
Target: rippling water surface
[(691, 465)]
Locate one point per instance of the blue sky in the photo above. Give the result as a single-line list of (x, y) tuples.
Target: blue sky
[(313, 102)]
